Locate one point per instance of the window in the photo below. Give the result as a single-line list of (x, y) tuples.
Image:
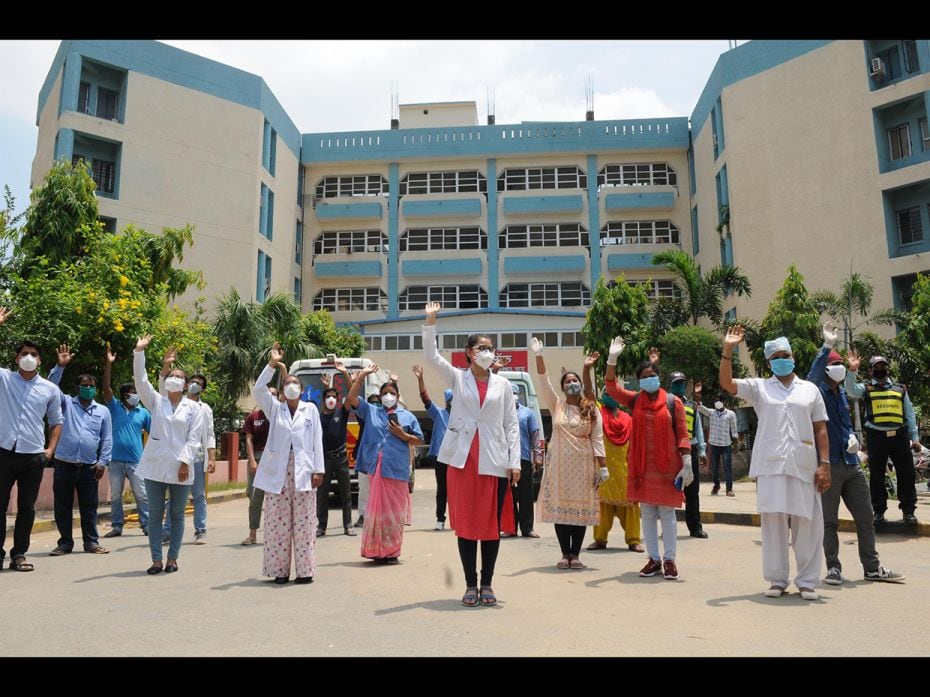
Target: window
[(545, 295), (572, 339), (470, 180), (640, 232), (351, 299), (924, 134), (891, 58), (451, 342), (462, 297), (542, 178), (103, 173), (83, 105), (443, 238), (911, 64), (269, 147), (639, 174), (107, 104), (297, 289), (558, 235), (372, 343), (910, 229), (263, 281), (266, 213), (299, 243), (109, 224), (512, 340), (658, 289), (357, 185), (899, 141), (349, 241), (397, 342)]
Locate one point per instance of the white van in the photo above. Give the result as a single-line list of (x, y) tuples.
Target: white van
[(524, 384)]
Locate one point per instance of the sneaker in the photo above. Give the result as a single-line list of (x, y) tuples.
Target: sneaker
[(440, 525), (809, 594), (669, 570), (730, 493), (883, 574), (350, 532), (834, 577), (114, 533), (774, 592), (715, 490), (652, 567), (360, 523), (910, 519), (200, 538)]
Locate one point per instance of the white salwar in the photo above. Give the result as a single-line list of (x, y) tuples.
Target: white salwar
[(784, 460)]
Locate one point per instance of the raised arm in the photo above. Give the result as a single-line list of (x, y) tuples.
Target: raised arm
[(260, 391), (146, 392), (430, 351), (735, 335), (108, 362), (586, 379), (421, 386), (613, 386), (854, 389), (352, 399), (550, 398)]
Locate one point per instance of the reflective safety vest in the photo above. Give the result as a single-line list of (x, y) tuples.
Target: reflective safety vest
[(689, 419), (884, 406)]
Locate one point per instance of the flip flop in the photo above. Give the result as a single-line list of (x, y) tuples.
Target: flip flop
[(486, 596), (470, 599)]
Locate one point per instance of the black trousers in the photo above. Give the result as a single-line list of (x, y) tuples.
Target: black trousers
[(25, 470), (880, 448), (523, 498), (570, 537), (468, 549), (692, 501), (441, 496), (337, 466), (69, 477)]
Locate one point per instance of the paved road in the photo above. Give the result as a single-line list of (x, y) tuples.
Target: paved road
[(218, 604)]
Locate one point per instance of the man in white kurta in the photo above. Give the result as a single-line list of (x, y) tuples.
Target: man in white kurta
[(785, 466)]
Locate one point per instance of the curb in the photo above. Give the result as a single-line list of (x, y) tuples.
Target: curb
[(892, 527)]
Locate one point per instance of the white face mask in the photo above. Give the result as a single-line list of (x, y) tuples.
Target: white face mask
[(718, 405), (132, 399), (836, 372), (28, 363), (174, 384), (193, 388), (483, 359), (330, 402), (292, 390), (388, 400)]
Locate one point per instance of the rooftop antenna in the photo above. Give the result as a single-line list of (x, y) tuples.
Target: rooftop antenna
[(733, 43), (395, 106), (491, 119), (589, 97)]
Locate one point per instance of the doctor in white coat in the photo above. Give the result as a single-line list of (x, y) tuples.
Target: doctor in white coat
[(289, 472), (169, 454), (482, 448)]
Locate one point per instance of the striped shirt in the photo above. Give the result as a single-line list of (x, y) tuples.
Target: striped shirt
[(722, 426)]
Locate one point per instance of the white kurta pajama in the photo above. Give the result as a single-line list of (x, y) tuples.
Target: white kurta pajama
[(784, 461)]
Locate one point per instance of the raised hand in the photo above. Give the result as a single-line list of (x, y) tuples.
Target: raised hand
[(616, 348), (276, 355), (830, 334), (432, 309), (340, 366), (4, 313), (537, 346), (697, 389), (171, 355), (373, 368), (591, 359), (654, 354), (327, 380), (853, 360), (734, 336), (64, 355), (143, 342), (418, 371), (393, 376), (111, 357)]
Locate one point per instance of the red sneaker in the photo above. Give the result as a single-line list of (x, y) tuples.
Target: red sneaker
[(652, 567), (670, 571)]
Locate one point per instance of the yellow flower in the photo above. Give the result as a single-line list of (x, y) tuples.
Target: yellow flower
[(118, 326), (77, 310), (100, 320), (123, 281)]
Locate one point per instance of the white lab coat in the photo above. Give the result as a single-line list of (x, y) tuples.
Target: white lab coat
[(176, 432), (302, 432), (208, 439), (496, 420)]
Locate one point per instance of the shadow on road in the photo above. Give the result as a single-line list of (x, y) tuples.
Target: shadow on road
[(250, 583), (628, 577), (791, 600), (119, 574), (441, 605)]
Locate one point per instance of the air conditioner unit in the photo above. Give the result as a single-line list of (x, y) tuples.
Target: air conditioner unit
[(878, 69)]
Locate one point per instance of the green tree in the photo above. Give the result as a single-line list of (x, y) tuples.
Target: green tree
[(793, 314), (695, 351), (913, 343), (702, 294), (321, 330), (854, 298), (617, 309)]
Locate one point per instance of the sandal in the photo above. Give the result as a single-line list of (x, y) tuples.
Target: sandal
[(576, 564), (486, 596), (248, 541), (20, 564), (564, 563), (470, 599)]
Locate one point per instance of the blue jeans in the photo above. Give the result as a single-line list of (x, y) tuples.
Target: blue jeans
[(199, 491), (69, 477), (724, 452), (119, 473), (156, 494)]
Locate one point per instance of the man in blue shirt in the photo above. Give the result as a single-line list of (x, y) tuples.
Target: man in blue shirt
[(440, 419), (25, 400), (129, 419), (847, 480), (81, 459), (530, 435)]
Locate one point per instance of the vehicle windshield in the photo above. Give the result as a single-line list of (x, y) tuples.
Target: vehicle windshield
[(312, 383)]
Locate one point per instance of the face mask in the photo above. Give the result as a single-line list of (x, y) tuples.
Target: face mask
[(650, 385), (782, 366), (292, 390), (678, 388), (836, 372), (483, 359), (330, 402), (718, 406), (193, 388), (877, 373), (132, 400), (573, 389), (388, 400), (86, 392), (174, 384), (28, 363)]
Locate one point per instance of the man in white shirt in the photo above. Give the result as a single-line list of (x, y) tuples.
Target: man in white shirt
[(723, 433), (789, 480)]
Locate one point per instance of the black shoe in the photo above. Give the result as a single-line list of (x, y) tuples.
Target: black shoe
[(715, 490), (321, 532), (301, 579), (910, 519), (699, 533), (152, 570), (281, 580), (360, 523), (170, 568), (880, 519)]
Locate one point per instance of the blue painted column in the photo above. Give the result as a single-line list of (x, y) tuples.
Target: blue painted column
[(923, 56), (926, 106), (64, 148), (70, 83), (493, 278), (594, 222), (393, 240)]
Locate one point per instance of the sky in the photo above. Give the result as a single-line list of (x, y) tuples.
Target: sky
[(346, 85)]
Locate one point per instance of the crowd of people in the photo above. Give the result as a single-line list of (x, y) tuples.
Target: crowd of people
[(628, 454)]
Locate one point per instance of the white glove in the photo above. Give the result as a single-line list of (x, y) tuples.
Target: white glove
[(602, 476), (852, 445), (829, 335), (616, 348), (537, 346), (686, 474)]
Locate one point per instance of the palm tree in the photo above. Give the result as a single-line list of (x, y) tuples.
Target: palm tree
[(240, 335), (284, 324), (702, 295), (854, 298)]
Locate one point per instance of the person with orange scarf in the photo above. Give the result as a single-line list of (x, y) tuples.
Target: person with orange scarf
[(617, 425), (659, 458)]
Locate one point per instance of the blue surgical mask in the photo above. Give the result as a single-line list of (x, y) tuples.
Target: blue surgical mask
[(678, 388), (650, 385), (782, 366)]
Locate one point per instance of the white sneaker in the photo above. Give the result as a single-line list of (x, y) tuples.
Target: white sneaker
[(200, 538), (440, 525), (883, 574), (834, 577), (774, 592), (809, 594)]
